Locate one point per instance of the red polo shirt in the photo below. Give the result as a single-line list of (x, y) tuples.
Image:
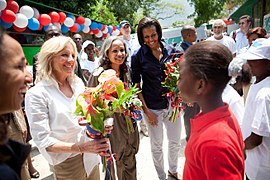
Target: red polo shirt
[(215, 148)]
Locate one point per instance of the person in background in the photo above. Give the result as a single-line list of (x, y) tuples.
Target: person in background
[(126, 145), (215, 148), (90, 63), (49, 107), (189, 36), (218, 36), (239, 35), (77, 38), (14, 83), (132, 46), (256, 121), (148, 65)]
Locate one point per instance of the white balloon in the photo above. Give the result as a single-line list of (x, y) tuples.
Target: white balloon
[(99, 34), (69, 22), (86, 29), (115, 32), (105, 31), (3, 4), (57, 25), (27, 11), (36, 13), (21, 20), (87, 22)]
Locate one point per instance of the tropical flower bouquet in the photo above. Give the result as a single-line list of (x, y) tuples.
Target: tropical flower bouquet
[(172, 76)]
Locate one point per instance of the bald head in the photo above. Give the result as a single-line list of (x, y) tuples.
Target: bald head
[(77, 38), (52, 31)]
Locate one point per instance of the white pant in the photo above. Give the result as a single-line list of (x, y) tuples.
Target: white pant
[(156, 139)]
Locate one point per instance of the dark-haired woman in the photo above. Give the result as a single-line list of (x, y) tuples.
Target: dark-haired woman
[(148, 65), (215, 147)]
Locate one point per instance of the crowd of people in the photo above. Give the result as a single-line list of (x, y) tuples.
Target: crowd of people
[(225, 78)]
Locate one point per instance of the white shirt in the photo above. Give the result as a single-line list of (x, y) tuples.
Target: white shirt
[(132, 46), (240, 39), (235, 101), (51, 120), (226, 41), (90, 65), (257, 120)]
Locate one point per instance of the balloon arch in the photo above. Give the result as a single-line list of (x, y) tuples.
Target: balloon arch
[(21, 18)]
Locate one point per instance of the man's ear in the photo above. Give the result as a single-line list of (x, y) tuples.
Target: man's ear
[(201, 86)]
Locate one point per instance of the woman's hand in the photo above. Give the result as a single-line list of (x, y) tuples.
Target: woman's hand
[(152, 118), (99, 146)]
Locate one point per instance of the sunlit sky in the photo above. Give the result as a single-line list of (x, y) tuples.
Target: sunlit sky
[(187, 10)]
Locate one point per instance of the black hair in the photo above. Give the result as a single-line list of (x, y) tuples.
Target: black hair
[(148, 22), (209, 60)]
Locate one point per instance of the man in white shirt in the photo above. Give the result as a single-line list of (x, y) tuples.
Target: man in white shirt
[(239, 35), (218, 36), (88, 63)]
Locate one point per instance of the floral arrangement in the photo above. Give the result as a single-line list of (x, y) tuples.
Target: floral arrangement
[(97, 104), (172, 76)]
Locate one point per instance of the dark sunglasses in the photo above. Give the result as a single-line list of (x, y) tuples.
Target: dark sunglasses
[(241, 23)]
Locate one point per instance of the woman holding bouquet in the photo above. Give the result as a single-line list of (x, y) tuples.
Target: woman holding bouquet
[(114, 56), (148, 64), (49, 107)]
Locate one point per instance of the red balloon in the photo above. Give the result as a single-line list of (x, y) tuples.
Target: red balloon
[(18, 29), (40, 27), (44, 19), (13, 6), (8, 16), (105, 35), (114, 28), (54, 16), (80, 20), (103, 27), (95, 31), (62, 17), (74, 28)]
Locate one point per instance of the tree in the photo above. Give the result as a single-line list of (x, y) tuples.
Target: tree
[(211, 9)]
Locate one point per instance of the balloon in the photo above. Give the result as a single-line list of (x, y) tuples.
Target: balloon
[(71, 16), (80, 20), (69, 22), (109, 29), (64, 29), (99, 26), (87, 22), (105, 31), (93, 25), (18, 29), (21, 20), (74, 28), (44, 19), (57, 25), (86, 29), (4, 24), (8, 16), (80, 27), (104, 35), (99, 34), (62, 17), (46, 27), (27, 11), (40, 27), (117, 26), (54, 16), (3, 5), (13, 6), (33, 24), (95, 31), (36, 13), (114, 28), (103, 27)]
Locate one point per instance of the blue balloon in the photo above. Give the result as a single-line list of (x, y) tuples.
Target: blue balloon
[(5, 25), (80, 27), (99, 26), (64, 29), (109, 29), (33, 24), (94, 25), (117, 27), (46, 27)]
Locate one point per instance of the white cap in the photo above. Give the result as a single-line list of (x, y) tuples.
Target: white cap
[(86, 43), (260, 49)]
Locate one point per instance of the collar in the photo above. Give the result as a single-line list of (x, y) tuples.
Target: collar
[(202, 120), (188, 44)]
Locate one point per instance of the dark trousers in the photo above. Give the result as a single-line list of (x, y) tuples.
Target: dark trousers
[(190, 112)]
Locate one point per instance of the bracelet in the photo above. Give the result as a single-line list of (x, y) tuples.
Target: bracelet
[(79, 148)]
